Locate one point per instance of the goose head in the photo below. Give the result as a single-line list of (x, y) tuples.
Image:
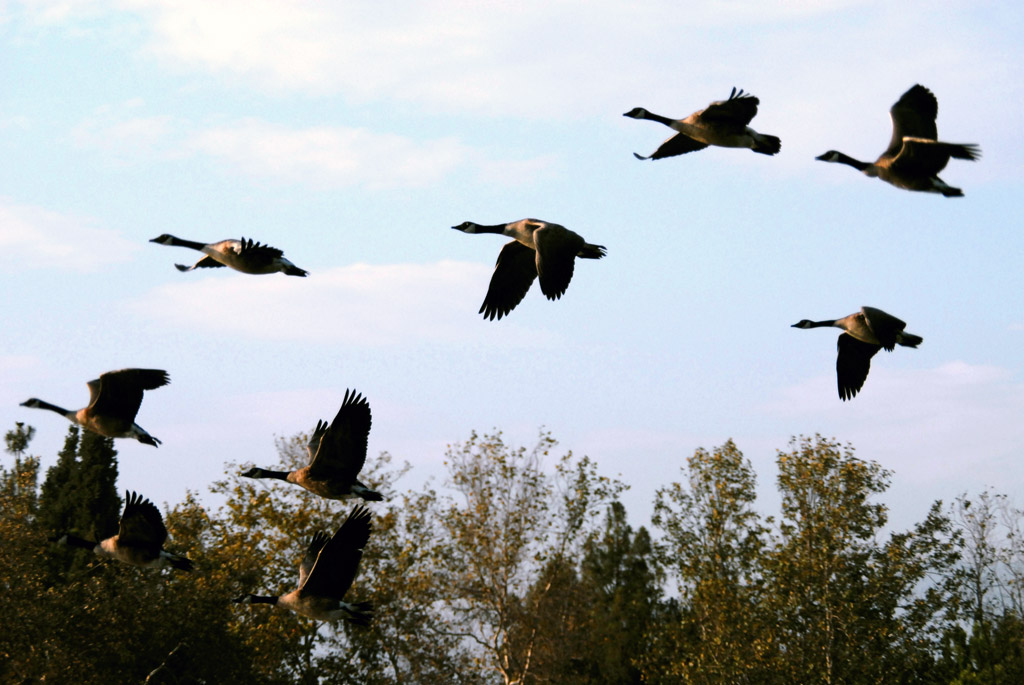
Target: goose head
[(803, 323), (467, 227), (830, 156), (33, 402), (637, 113), (165, 239)]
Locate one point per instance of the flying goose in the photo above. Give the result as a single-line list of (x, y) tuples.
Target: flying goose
[(243, 255), (336, 455), (723, 123), (114, 400), (540, 249), (326, 573), (914, 156), (867, 331), (139, 541)]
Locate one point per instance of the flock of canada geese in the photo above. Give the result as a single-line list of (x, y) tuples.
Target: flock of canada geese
[(538, 250)]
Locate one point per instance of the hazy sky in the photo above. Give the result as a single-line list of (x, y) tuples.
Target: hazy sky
[(354, 135)]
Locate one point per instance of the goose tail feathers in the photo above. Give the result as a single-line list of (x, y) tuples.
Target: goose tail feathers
[(767, 145), (177, 561), (910, 340), (360, 613), (367, 494)]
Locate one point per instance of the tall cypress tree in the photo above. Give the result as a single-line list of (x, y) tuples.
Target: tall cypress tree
[(54, 514), (79, 494), (97, 504)]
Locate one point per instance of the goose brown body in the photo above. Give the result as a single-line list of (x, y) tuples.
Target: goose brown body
[(538, 249), (723, 123), (326, 574), (139, 541), (337, 454), (914, 157), (246, 256), (866, 332), (115, 398)]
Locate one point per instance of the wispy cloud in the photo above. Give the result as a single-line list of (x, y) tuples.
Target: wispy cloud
[(359, 304), (331, 156), (318, 156), (449, 56), (17, 121), (38, 238), (127, 133)]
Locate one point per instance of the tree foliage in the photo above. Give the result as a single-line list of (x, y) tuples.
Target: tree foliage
[(520, 567), (817, 599)]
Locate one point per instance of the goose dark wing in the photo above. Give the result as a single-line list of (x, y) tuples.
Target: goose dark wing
[(141, 523), (256, 254), (314, 440), (885, 326), (913, 115), (119, 393), (556, 258), (678, 144), (513, 275), (920, 157), (204, 263), (317, 543), (342, 448), (852, 364), (738, 109), (338, 562)]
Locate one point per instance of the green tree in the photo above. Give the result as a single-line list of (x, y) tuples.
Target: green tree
[(511, 530), (107, 622), (848, 609), (79, 496), (602, 606), (20, 562), (987, 646), (714, 547), (815, 598)]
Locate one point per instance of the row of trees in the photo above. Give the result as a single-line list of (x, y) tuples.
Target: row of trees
[(521, 568)]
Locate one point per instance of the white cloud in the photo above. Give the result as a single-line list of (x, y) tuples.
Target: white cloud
[(118, 130), (338, 156), (564, 60), (319, 156), (499, 58), (332, 156), (359, 304), (20, 122), (37, 238)]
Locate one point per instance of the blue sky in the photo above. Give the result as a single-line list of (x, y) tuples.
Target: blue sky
[(354, 138)]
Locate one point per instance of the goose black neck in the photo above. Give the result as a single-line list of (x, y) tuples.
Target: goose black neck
[(74, 541), (850, 161), (266, 473), (40, 404), (496, 228), (660, 119), (180, 242)]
